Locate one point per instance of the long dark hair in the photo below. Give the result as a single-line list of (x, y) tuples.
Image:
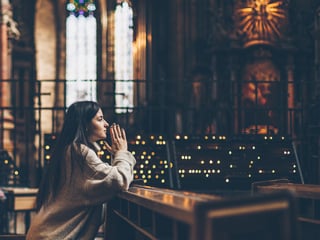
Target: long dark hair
[(73, 133)]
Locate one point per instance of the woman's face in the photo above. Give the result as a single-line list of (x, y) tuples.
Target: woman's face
[(97, 128)]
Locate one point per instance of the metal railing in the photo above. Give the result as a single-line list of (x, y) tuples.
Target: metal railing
[(228, 110)]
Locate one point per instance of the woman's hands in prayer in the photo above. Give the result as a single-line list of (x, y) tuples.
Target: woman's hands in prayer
[(118, 139)]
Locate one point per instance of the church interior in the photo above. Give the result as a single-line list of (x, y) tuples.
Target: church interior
[(219, 99)]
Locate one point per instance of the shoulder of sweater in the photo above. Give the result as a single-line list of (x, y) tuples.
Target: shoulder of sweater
[(84, 147), (90, 155), (96, 146)]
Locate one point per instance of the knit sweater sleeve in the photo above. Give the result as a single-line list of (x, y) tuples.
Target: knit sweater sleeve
[(103, 181)]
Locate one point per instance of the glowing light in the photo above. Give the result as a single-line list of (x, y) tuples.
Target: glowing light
[(261, 21)]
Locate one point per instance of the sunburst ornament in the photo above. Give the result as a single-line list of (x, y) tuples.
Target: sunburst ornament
[(261, 21)]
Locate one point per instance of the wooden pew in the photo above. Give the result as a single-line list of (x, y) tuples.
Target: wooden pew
[(263, 217), (13, 237), (19, 200), (154, 213), (308, 203)]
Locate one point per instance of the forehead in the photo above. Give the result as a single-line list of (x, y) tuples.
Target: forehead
[(99, 113)]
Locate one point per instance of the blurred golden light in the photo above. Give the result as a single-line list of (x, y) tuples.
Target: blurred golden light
[(261, 21)]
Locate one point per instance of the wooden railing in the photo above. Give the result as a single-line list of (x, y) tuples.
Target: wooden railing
[(143, 213), (155, 213), (308, 203)]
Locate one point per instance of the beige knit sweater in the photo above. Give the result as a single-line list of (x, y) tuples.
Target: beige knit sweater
[(77, 211)]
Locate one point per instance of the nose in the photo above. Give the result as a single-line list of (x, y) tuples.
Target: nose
[(106, 124)]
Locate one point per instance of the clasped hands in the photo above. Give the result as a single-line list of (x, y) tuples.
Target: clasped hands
[(118, 139)]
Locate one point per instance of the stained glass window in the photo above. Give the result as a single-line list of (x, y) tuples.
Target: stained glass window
[(81, 59), (124, 57)]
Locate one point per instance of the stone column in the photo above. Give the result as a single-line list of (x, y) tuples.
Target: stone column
[(7, 29)]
